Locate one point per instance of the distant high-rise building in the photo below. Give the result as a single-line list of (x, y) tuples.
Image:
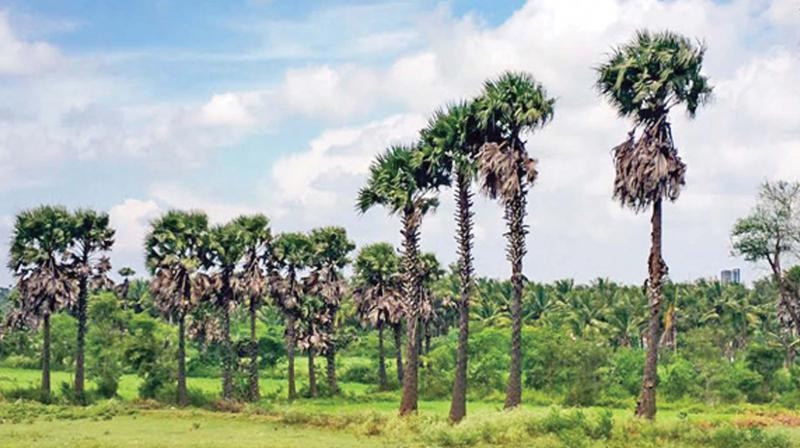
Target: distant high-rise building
[(730, 276)]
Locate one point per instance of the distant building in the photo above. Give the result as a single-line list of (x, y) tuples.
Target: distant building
[(730, 276)]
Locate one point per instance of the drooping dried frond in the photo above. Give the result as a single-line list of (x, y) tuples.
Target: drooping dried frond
[(648, 168), (500, 167)]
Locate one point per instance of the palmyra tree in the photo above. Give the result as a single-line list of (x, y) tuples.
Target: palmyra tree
[(257, 260), (92, 238), (37, 259), (644, 79), (122, 289), (290, 252), (329, 255), (226, 249), (176, 249), (450, 143), (510, 105), (377, 293), (396, 182)]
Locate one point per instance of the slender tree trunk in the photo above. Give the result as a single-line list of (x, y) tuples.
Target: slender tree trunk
[(183, 398), (411, 290), (398, 351), (312, 375), (290, 345), (458, 405), (383, 383), (46, 356), (227, 358), (81, 343), (515, 215), (646, 407), (330, 356), (254, 392)]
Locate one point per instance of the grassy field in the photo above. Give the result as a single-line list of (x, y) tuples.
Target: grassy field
[(361, 421)]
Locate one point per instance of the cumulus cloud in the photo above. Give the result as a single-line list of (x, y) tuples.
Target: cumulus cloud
[(19, 57)]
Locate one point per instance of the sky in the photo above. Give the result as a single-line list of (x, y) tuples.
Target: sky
[(278, 107)]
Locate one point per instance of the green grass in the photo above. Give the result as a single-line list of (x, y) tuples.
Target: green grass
[(362, 421)]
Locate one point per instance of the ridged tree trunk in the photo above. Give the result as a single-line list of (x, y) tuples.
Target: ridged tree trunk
[(383, 382), (398, 351), (290, 345), (46, 355), (183, 398), (646, 407), (312, 375), (458, 405), (515, 215), (227, 357), (330, 356), (81, 343), (411, 290), (254, 392)]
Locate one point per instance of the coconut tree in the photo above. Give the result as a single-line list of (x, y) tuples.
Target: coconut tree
[(397, 182), (92, 238), (175, 251), (329, 255), (37, 259), (256, 263), (644, 79), (377, 296), (290, 252), (509, 106), (226, 249), (450, 144)]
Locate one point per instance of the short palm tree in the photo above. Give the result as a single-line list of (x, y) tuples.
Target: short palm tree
[(397, 182), (226, 249), (377, 296), (510, 105), (290, 253), (450, 143), (253, 281), (176, 250), (644, 79), (330, 248), (122, 289), (37, 259), (92, 238)]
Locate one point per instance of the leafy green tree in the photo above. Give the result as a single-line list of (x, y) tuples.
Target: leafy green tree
[(397, 182), (644, 79), (106, 342), (255, 230), (377, 294), (291, 253), (92, 239), (39, 241), (450, 143), (176, 250), (508, 106), (330, 248)]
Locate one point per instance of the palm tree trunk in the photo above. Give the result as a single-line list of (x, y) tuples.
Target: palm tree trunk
[(398, 351), (458, 405), (411, 290), (254, 393), (46, 356), (646, 407), (383, 383), (330, 356), (312, 375), (227, 358), (290, 345), (515, 215), (183, 398), (81, 343)]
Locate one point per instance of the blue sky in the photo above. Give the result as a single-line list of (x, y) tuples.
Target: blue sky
[(275, 106)]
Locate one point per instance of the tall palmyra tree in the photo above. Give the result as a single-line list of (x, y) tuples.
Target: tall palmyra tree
[(396, 182), (176, 251), (644, 79), (509, 106)]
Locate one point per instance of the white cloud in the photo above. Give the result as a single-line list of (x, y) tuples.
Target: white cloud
[(18, 57)]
